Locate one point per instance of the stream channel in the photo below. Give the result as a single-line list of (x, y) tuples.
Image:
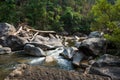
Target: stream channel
[(8, 62)]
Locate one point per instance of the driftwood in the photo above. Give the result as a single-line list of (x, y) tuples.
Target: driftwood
[(40, 31), (20, 29), (34, 36)]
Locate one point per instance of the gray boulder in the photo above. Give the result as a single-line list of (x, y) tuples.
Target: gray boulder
[(48, 41), (107, 65), (4, 50), (34, 51), (77, 58), (15, 42), (92, 46), (95, 34), (6, 29)]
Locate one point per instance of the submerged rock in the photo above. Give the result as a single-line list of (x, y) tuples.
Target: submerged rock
[(42, 73), (6, 29), (107, 65), (34, 51)]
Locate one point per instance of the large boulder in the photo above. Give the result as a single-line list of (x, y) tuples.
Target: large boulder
[(6, 29), (106, 65), (92, 46), (26, 72), (33, 50), (48, 41), (15, 42)]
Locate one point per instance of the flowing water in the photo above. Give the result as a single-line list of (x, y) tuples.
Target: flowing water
[(8, 62)]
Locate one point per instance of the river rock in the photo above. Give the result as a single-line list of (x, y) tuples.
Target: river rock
[(64, 64), (4, 50), (6, 29), (15, 42), (42, 73), (48, 41), (95, 34), (77, 58), (34, 51), (107, 65), (92, 46), (68, 52), (77, 44), (49, 59)]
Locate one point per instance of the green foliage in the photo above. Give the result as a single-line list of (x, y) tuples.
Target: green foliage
[(107, 19), (58, 15)]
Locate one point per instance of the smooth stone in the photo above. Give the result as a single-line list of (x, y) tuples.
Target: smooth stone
[(93, 46), (34, 51), (49, 59), (106, 65), (5, 50)]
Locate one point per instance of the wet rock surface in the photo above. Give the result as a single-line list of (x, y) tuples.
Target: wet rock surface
[(33, 51), (92, 46), (95, 34), (15, 42), (25, 72), (4, 50), (107, 65), (6, 29), (57, 51), (68, 52), (77, 58)]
